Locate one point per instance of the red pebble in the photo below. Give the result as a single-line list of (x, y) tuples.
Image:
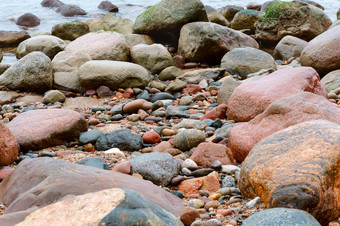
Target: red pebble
[(128, 93), (151, 137), (216, 112)]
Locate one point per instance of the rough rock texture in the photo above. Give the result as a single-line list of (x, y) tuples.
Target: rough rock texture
[(245, 19), (32, 73), (164, 20), (187, 139), (191, 186), (229, 11), (110, 22), (331, 81), (209, 42), (322, 53), (12, 38), (102, 46), (123, 139), (281, 216), (65, 69), (8, 146), (48, 44), (243, 61), (111, 206), (215, 16), (226, 90), (153, 57), (70, 10), (252, 98), (7, 97), (108, 6), (157, 167), (40, 129), (206, 153), (114, 74), (295, 18), (28, 20), (279, 115), (71, 30), (289, 47), (297, 167), (54, 179)]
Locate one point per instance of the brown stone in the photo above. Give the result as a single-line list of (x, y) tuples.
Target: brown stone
[(104, 91), (12, 38), (189, 215), (40, 129), (134, 106), (297, 167), (215, 113), (123, 167), (192, 89), (251, 98), (279, 115), (28, 20), (191, 187), (70, 10), (93, 121), (8, 146), (42, 181), (143, 114), (162, 147), (51, 3), (323, 53), (206, 153), (151, 137)]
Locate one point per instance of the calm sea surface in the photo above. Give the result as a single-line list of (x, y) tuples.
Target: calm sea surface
[(12, 9)]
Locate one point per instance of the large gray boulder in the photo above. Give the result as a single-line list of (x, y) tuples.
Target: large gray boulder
[(114, 74), (164, 20), (31, 73), (208, 42), (153, 57), (102, 46), (289, 47), (281, 216), (48, 44), (294, 18), (157, 167), (243, 61), (65, 69)]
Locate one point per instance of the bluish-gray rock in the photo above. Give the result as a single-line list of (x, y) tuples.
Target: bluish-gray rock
[(96, 162), (90, 136), (161, 96), (157, 167), (281, 217)]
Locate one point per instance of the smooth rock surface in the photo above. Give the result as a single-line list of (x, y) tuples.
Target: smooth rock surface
[(38, 129), (8, 146), (70, 30), (289, 47), (187, 139), (252, 98)]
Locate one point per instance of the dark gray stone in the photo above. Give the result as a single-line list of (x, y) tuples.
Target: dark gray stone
[(161, 96), (137, 210), (225, 129), (123, 139), (143, 95), (172, 111), (201, 172), (117, 109), (90, 136), (157, 167), (281, 217)]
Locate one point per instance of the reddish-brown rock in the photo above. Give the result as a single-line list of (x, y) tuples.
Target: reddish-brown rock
[(323, 52), (123, 167), (8, 146), (251, 98), (151, 137), (216, 112), (162, 147), (42, 181), (297, 167), (104, 91), (28, 20), (38, 129), (191, 187), (192, 89), (93, 121), (134, 106), (280, 114), (206, 153), (70, 10), (5, 172), (189, 215)]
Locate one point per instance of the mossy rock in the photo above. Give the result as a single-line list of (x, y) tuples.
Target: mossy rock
[(295, 18), (110, 22), (70, 30)]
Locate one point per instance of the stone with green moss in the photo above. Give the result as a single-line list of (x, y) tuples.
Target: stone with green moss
[(70, 30), (245, 19), (164, 20), (110, 22), (295, 18)]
